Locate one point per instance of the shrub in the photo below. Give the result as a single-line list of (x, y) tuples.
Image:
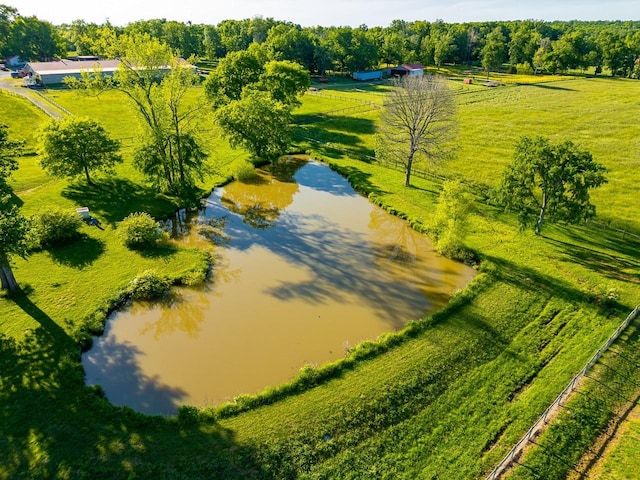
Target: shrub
[(524, 69), (140, 230), (188, 415), (243, 170), (55, 226), (450, 222), (148, 285)]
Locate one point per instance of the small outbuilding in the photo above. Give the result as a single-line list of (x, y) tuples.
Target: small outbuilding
[(410, 69), (367, 75)]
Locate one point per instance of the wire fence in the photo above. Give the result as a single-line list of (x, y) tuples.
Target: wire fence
[(552, 409)]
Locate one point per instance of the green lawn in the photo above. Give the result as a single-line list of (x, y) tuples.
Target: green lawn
[(447, 398)]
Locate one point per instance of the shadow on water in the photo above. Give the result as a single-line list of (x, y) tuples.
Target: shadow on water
[(118, 371), (178, 314), (333, 184), (52, 426), (342, 262)]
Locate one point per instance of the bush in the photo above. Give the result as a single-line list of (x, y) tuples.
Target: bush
[(55, 226), (148, 285), (524, 69), (243, 170), (140, 230)]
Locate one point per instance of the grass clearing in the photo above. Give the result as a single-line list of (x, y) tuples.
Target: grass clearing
[(448, 397)]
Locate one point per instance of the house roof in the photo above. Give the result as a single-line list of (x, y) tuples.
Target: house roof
[(409, 66)]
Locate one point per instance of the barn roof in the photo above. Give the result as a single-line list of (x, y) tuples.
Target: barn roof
[(409, 66), (77, 66), (69, 66)]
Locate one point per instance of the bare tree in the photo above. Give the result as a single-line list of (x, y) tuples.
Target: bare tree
[(417, 121)]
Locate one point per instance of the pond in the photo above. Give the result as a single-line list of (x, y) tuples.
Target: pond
[(305, 269)]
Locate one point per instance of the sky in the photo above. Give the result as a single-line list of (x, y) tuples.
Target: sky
[(325, 12)]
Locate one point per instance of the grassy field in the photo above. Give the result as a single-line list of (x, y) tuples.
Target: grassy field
[(447, 398)]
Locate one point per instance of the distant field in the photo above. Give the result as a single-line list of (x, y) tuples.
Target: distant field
[(447, 398)]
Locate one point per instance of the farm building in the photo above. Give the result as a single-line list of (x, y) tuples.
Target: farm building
[(51, 73), (411, 69), (367, 75)]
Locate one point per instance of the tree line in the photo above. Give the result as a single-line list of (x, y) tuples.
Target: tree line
[(527, 46)]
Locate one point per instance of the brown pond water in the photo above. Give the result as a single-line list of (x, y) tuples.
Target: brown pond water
[(306, 268)]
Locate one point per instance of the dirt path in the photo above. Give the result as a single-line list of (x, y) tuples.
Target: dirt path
[(592, 463), (9, 86)]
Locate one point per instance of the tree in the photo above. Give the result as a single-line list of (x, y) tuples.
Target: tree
[(547, 181), (13, 234), (417, 120), (156, 82), (33, 39), (494, 51), (450, 221), (285, 81), (255, 111), (13, 226), (233, 73), (257, 122), (74, 146), (8, 164)]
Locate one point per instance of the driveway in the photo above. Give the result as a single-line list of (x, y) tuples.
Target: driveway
[(15, 87)]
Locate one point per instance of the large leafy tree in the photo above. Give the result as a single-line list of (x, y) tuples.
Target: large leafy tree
[(254, 101), (156, 83), (74, 146), (547, 181), (13, 226), (234, 72), (494, 52), (257, 122), (417, 121), (33, 39)]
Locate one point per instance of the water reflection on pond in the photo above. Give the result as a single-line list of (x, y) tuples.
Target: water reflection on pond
[(305, 268)]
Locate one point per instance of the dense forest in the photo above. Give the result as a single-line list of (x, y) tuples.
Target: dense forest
[(528, 46)]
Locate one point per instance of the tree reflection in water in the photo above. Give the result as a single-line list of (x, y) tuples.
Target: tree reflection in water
[(260, 200), (185, 310)]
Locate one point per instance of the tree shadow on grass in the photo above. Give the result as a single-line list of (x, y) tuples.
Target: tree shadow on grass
[(79, 254), (548, 87), (157, 251), (525, 277), (52, 425), (115, 198), (22, 300), (601, 250), (330, 132)]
